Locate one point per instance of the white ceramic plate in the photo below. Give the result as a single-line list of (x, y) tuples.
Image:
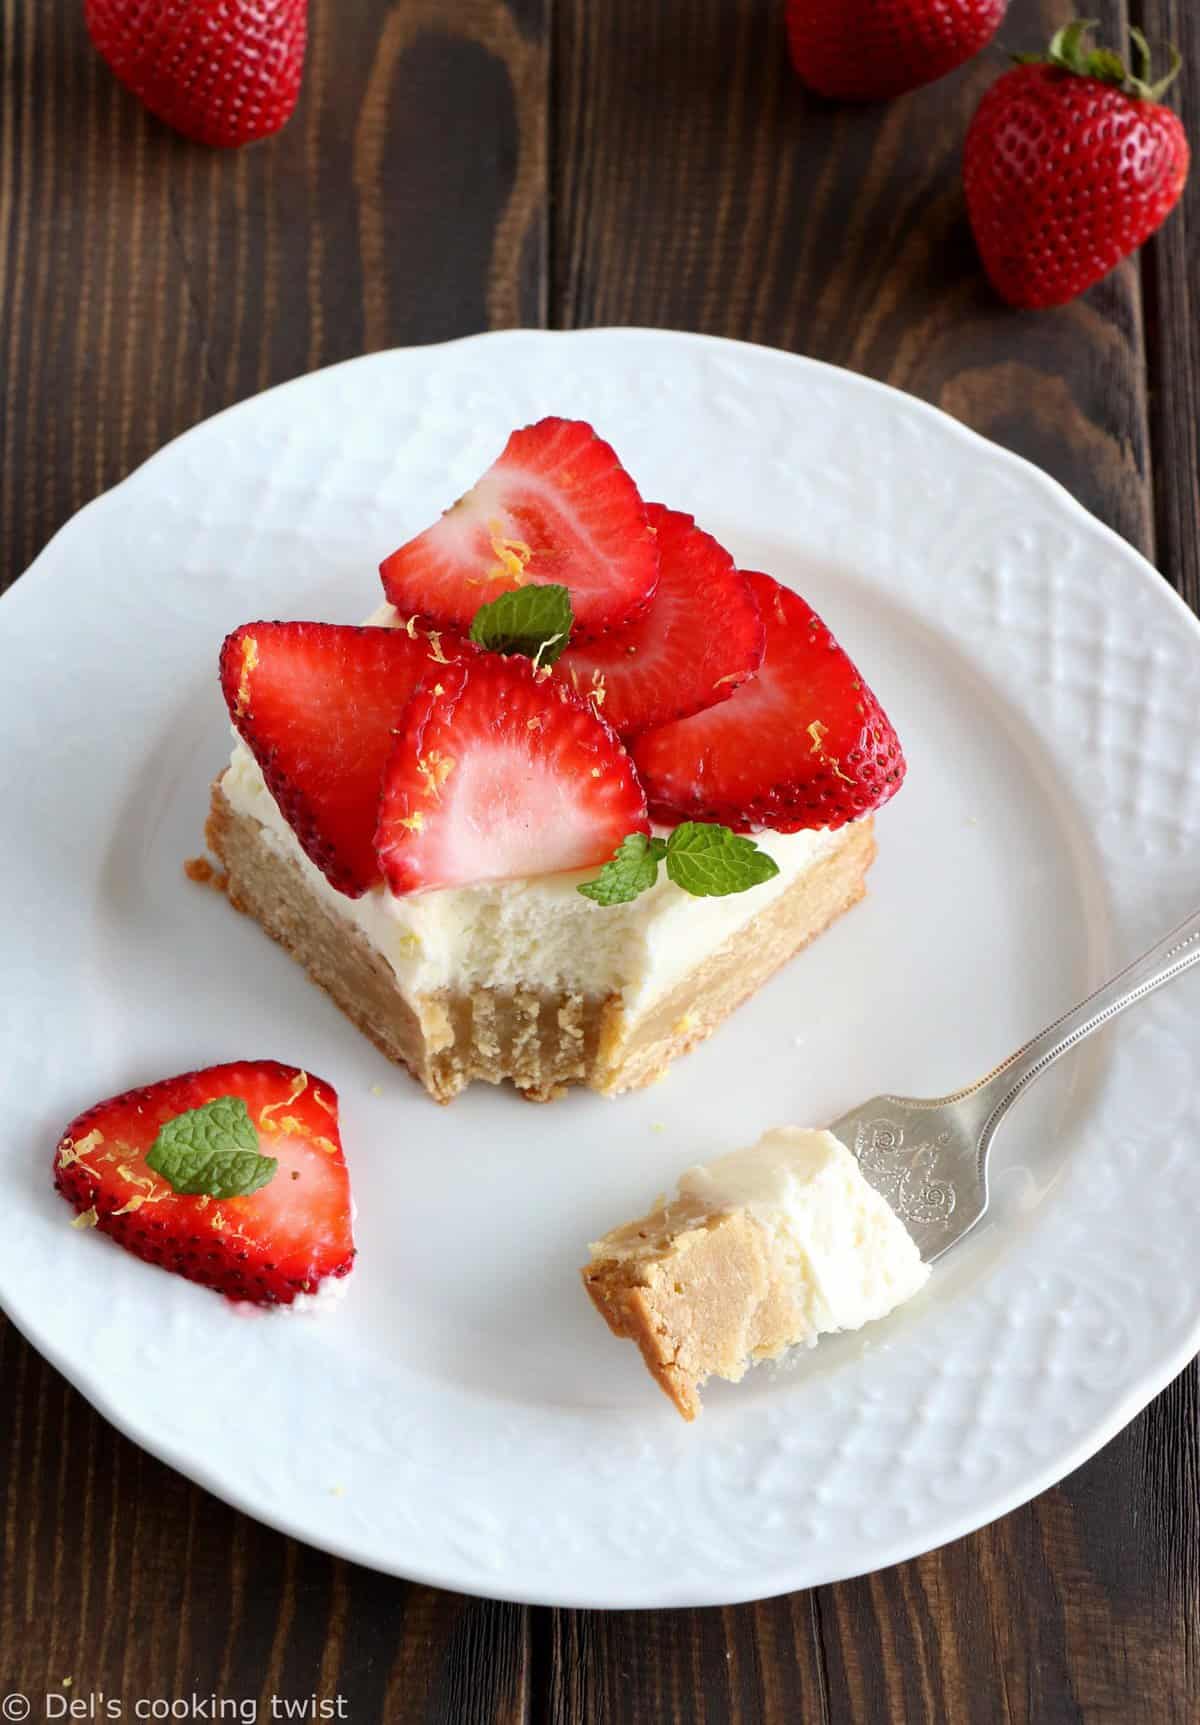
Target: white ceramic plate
[(463, 1417)]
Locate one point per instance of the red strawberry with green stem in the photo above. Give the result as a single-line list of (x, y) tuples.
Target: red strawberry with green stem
[(1071, 163), (318, 706), (501, 772), (233, 1177), (555, 507), (803, 743), (869, 50), (222, 72), (700, 636)]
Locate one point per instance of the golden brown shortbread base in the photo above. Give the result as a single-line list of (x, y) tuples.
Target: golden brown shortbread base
[(542, 1041), (697, 1291)]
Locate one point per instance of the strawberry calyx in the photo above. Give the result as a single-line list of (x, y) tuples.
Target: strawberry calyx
[(1070, 51)]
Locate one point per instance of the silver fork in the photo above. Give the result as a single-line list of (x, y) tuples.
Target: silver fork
[(929, 1156)]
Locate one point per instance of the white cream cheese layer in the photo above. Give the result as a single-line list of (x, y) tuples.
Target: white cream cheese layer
[(840, 1248), (536, 933)]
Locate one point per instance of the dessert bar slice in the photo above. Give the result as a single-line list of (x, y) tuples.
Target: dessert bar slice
[(571, 796)]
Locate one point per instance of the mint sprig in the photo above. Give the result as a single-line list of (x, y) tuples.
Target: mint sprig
[(706, 860), (710, 861), (633, 869), (534, 620), (212, 1151)]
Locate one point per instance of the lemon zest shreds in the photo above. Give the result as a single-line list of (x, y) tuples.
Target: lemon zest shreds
[(86, 1219), (435, 648), (511, 555), (69, 1152), (413, 822), (127, 1173), (818, 732), (249, 662), (135, 1202), (299, 1086), (435, 768), (323, 1101)]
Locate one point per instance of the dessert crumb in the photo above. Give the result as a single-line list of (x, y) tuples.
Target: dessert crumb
[(337, 1490), (377, 1090), (67, 1682), (658, 1126), (200, 871)]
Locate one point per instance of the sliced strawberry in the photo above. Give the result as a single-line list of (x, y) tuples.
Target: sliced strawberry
[(284, 1239), (317, 705), (700, 637), (557, 506), (498, 773), (804, 743)]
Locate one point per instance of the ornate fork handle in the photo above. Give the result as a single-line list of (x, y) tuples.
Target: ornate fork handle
[(995, 1094)]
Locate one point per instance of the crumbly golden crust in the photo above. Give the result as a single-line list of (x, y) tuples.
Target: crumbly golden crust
[(698, 1292), (539, 1040)]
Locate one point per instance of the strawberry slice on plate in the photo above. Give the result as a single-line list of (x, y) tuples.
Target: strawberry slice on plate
[(700, 636), (233, 1177), (557, 506), (501, 772), (803, 743), (318, 705)]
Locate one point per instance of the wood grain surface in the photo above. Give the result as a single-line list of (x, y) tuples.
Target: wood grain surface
[(462, 164)]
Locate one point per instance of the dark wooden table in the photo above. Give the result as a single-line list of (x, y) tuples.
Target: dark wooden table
[(455, 165)]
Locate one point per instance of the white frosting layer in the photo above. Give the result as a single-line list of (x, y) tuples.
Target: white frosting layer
[(842, 1250), (537, 933)]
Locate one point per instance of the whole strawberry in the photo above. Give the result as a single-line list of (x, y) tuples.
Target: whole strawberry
[(223, 72), (868, 50), (1071, 163)]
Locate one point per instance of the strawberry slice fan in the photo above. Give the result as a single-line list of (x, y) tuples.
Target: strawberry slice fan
[(317, 704), (803, 743), (493, 752), (698, 639), (413, 757), (557, 506)]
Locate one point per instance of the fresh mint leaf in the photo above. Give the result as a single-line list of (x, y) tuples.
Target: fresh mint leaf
[(212, 1151), (709, 861), (633, 869), (534, 620), (704, 859)]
